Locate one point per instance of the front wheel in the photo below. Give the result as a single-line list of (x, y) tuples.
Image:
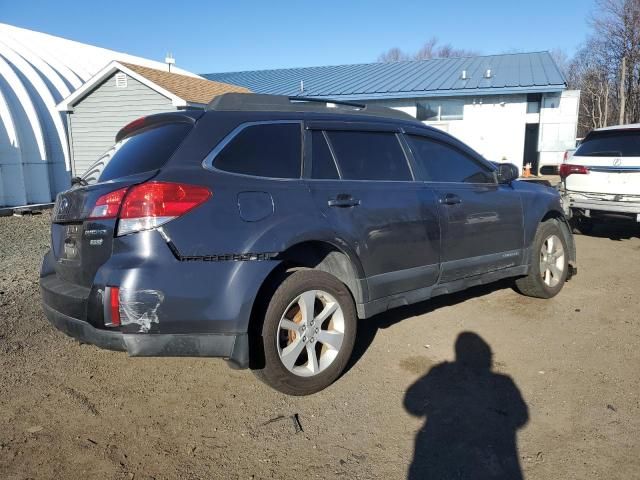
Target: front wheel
[(549, 263), (308, 333)]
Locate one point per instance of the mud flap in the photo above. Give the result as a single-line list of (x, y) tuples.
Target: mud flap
[(568, 236)]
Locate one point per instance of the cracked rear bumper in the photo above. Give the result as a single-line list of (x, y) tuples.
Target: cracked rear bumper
[(233, 347)]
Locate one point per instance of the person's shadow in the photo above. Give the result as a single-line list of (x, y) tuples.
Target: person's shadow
[(472, 418)]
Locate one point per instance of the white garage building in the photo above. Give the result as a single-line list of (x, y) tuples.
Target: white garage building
[(513, 108), (37, 71)]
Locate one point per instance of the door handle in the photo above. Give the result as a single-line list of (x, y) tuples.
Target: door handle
[(343, 201), (450, 199)]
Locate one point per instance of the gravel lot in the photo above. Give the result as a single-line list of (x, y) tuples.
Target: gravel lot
[(562, 399)]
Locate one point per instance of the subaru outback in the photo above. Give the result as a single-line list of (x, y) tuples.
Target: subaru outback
[(262, 228)]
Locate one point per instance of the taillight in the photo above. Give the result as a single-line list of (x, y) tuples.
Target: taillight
[(567, 169), (114, 307), (152, 204), (108, 206)]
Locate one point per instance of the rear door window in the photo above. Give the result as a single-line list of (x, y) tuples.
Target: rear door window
[(443, 163), (369, 156), (265, 150), (322, 165), (611, 144), (145, 150)]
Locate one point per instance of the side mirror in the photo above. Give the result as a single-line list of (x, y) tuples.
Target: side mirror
[(507, 172)]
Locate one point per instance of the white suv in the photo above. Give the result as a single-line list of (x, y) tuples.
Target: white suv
[(602, 178)]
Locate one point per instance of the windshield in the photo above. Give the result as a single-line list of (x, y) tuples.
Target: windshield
[(611, 144), (145, 150)]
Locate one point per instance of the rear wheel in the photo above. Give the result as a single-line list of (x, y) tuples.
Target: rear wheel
[(549, 263), (308, 333)]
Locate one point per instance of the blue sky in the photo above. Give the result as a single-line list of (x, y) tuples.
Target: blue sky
[(216, 36)]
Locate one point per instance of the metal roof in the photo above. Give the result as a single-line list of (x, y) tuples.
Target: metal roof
[(509, 73)]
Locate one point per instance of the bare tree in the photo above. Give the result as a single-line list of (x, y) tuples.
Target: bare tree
[(393, 55), (561, 59), (610, 93), (430, 49)]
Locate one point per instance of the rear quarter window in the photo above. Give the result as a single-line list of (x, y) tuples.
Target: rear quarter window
[(145, 150), (264, 150), (611, 144)]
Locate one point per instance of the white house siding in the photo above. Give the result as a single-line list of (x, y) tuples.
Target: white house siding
[(96, 119), (494, 125)]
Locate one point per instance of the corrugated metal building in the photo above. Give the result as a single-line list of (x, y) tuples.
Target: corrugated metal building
[(122, 92), (513, 107), (37, 71)]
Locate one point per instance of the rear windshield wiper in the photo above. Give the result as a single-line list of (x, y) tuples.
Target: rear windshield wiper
[(78, 181)]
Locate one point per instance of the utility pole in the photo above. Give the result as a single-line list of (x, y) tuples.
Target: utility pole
[(623, 75)]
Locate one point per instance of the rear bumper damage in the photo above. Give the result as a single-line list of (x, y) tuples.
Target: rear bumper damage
[(233, 347)]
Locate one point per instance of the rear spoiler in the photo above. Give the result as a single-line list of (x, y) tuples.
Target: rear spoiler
[(142, 123)]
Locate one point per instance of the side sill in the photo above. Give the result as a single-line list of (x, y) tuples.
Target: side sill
[(366, 310)]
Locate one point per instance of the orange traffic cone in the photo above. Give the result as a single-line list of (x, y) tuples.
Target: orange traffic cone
[(527, 170)]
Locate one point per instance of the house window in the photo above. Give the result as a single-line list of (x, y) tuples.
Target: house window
[(440, 109)]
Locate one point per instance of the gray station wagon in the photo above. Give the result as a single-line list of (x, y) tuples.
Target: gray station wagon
[(263, 227)]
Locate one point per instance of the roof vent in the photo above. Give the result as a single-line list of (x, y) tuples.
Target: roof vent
[(169, 60), (121, 80), (487, 74), (464, 75)]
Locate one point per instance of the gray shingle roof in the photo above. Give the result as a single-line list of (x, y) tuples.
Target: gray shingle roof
[(510, 73)]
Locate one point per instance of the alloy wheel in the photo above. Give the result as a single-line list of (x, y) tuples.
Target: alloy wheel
[(552, 262), (310, 333)]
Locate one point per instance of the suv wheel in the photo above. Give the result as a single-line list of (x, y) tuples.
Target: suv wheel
[(549, 264), (308, 333)]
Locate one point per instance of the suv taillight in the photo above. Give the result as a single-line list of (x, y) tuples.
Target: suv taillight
[(108, 206), (149, 205), (567, 169)]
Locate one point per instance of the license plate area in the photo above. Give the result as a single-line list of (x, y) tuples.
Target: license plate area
[(71, 243)]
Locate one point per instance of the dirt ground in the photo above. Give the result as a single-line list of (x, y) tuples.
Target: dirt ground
[(562, 398)]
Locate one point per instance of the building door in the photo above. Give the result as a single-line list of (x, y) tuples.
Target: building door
[(531, 146)]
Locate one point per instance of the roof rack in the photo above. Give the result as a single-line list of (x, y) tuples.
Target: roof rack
[(257, 102)]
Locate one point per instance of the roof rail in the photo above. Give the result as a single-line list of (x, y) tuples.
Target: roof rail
[(256, 102)]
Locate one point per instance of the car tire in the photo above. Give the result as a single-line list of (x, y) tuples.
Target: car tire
[(582, 225), (311, 314), (549, 263)]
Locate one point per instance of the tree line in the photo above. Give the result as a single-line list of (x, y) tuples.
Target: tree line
[(607, 68)]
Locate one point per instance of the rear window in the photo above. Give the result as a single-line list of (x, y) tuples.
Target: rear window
[(611, 144), (266, 150), (322, 164), (369, 156), (145, 150)]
